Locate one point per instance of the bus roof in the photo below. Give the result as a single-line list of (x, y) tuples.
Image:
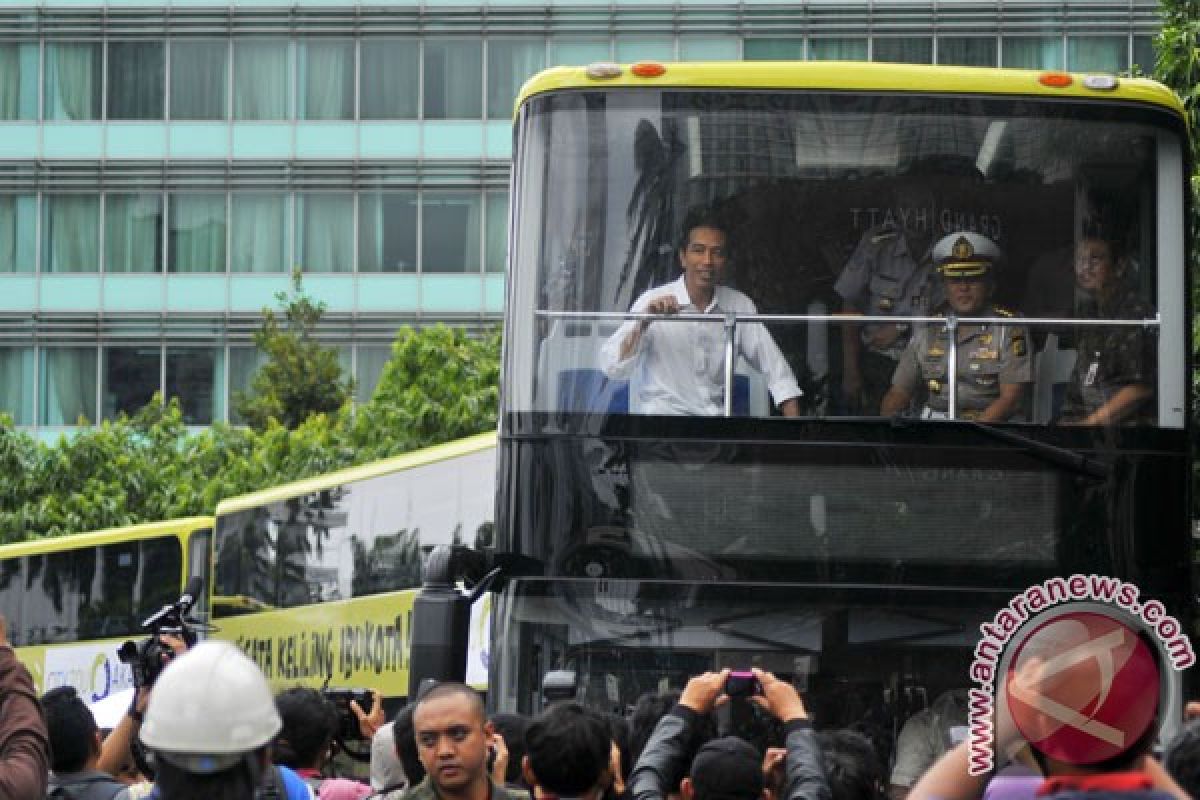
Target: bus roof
[(148, 530), (417, 458), (853, 76)]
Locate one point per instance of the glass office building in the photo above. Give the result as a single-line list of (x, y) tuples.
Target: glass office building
[(163, 168)]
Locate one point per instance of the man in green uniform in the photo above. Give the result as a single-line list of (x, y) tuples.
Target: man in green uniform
[(993, 360)]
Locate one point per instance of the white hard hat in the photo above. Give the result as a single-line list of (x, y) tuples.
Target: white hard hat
[(210, 707)]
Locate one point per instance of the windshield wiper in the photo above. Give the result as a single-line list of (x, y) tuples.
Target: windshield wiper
[(1051, 454)]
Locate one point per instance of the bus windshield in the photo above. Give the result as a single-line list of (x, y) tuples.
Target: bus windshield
[(832, 204)]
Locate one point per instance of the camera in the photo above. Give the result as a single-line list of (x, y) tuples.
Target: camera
[(348, 730), (742, 683), (147, 658)]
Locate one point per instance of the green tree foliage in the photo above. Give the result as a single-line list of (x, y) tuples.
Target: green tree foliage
[(301, 376), (440, 385)]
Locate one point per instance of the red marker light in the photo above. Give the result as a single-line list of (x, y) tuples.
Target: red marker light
[(648, 69), (1055, 80)]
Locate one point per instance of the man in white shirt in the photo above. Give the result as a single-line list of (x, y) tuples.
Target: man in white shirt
[(681, 365)]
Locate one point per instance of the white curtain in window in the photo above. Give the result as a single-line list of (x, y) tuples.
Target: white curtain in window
[(72, 233), (68, 385), (388, 78), (132, 227), (8, 233), (511, 62), (327, 234), (72, 81), (10, 80), (450, 227), (453, 69), (16, 383), (1097, 53), (198, 79), (197, 233), (497, 231), (260, 79), (259, 233), (1032, 52), (837, 50), (328, 79)]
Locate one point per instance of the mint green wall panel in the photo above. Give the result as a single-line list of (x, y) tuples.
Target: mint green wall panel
[(452, 293), (254, 292), (388, 292), (133, 292), (499, 139), (325, 140), (70, 292), (137, 140), (18, 140), (262, 140), (493, 293), (17, 292), (199, 139), (389, 139), (73, 140), (453, 139), (197, 292), (336, 291)]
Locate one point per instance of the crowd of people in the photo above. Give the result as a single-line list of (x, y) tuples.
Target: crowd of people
[(211, 728)]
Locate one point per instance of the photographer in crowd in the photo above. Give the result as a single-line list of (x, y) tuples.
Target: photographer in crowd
[(306, 741), (24, 743), (209, 725), (728, 768)]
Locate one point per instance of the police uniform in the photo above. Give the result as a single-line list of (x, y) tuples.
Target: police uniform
[(989, 355), (885, 278)]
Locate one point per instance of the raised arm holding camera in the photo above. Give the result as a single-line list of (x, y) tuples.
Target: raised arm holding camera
[(728, 767)]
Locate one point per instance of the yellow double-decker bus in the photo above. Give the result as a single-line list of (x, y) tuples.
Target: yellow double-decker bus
[(71, 601)]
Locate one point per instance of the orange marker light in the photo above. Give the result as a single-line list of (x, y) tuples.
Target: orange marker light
[(1055, 80), (648, 69)]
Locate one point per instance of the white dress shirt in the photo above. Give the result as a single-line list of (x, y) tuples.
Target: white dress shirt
[(679, 367)]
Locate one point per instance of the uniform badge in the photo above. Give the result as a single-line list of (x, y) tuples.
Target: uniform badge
[(936, 352), (1018, 346), (885, 304), (935, 387), (986, 338), (986, 353)]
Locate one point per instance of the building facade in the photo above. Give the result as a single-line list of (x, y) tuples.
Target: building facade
[(164, 168)]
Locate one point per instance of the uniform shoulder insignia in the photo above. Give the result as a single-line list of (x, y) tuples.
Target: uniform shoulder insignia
[(1003, 312)]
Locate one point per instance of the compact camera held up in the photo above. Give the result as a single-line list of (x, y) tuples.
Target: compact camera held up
[(148, 657)]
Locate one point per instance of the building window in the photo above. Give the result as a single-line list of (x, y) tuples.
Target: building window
[(325, 239), (258, 232), (1097, 53), (68, 385), (131, 376), (16, 384), (327, 79), (243, 363), (496, 250), (773, 49), (451, 80), (195, 376), (579, 51), (903, 50), (708, 48), (73, 80), (511, 62), (967, 51), (71, 233), (450, 231), (133, 233), (136, 73), (645, 48), (1143, 54), (1032, 52), (389, 78), (199, 79), (261, 72), (18, 226), (837, 50), (196, 238), (18, 80), (387, 232), (371, 361)]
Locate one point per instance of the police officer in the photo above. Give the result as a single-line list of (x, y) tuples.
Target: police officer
[(993, 361), (889, 274)]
